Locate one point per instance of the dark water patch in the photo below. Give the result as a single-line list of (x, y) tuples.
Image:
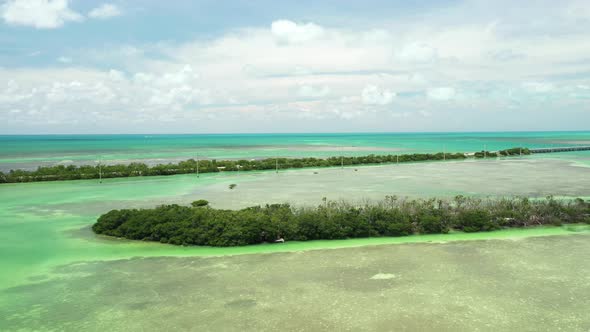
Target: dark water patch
[(241, 304), (38, 278), (81, 233), (139, 305)]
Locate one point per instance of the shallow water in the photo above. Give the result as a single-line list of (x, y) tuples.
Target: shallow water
[(61, 276), (533, 284), (530, 176)]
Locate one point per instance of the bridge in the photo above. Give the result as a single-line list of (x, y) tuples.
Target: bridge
[(560, 149)]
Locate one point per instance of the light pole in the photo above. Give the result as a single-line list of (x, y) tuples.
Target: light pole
[(99, 169)]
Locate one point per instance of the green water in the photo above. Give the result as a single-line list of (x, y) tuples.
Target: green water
[(58, 275), (44, 224), (32, 151), (529, 284)]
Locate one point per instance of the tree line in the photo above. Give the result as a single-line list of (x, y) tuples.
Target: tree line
[(72, 172), (200, 224)]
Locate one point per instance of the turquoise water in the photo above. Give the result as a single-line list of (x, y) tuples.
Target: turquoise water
[(58, 276), (47, 224), (31, 151)]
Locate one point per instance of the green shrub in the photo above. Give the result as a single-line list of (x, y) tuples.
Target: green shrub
[(195, 225), (398, 228), (431, 224), (61, 172), (554, 221), (200, 202), (475, 221)]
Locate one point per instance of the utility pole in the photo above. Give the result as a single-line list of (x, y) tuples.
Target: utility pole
[(485, 153), (197, 156), (444, 153), (397, 158), (99, 169)]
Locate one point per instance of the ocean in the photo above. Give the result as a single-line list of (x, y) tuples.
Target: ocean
[(31, 151), (60, 276)]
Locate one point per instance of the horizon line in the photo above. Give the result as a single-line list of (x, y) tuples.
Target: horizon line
[(303, 133)]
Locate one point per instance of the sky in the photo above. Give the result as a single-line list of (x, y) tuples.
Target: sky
[(247, 66)]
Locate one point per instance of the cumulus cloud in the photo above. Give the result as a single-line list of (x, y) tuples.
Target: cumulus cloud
[(41, 14), (290, 70), (105, 11), (116, 75), (441, 93), (288, 32), (374, 95), (78, 93)]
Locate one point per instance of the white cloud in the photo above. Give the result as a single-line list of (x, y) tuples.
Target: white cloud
[(417, 52), (373, 95), (41, 14), (105, 11), (538, 87), (286, 71), (310, 91), (116, 75), (185, 75), (286, 31), (579, 9), (64, 59), (442, 93), (69, 92), (350, 99), (347, 115)]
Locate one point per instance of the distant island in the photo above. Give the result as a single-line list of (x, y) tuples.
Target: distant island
[(202, 225), (72, 172)]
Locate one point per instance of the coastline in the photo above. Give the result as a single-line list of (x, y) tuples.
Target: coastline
[(199, 166), (302, 246)]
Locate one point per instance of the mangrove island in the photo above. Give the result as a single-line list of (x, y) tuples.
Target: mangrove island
[(202, 225)]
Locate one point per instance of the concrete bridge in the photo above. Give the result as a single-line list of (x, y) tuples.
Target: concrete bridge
[(560, 149)]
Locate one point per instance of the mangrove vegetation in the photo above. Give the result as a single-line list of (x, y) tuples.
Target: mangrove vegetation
[(200, 224), (72, 172)]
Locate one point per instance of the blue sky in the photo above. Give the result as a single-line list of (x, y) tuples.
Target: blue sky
[(293, 66)]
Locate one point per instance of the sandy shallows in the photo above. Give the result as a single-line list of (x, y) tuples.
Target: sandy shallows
[(534, 284)]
